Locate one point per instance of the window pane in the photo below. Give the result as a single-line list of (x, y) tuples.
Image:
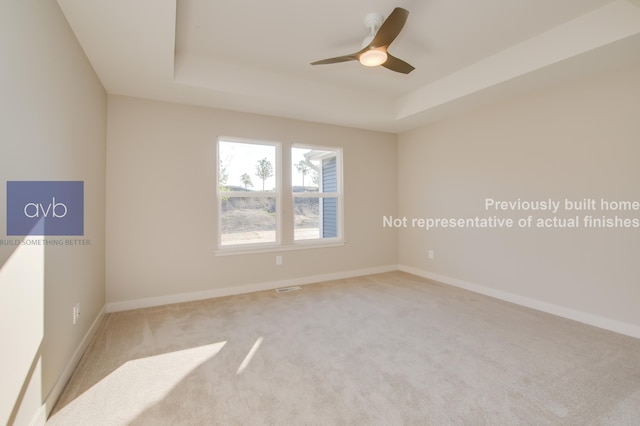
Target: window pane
[(306, 218), (329, 217), (247, 166), (313, 170), (315, 218), (248, 220)]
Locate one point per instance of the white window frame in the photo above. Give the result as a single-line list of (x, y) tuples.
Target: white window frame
[(280, 244), (277, 194), (338, 195)]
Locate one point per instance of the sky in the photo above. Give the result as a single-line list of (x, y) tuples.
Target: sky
[(240, 158)]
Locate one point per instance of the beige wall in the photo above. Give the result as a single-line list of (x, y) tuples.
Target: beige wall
[(578, 140), (161, 206), (573, 141), (52, 127)]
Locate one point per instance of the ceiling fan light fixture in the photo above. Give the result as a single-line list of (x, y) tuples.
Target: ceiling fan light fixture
[(373, 57)]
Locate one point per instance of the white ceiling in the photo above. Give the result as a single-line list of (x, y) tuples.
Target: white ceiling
[(254, 56)]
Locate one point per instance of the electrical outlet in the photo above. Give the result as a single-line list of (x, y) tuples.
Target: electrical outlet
[(430, 254), (76, 313), (278, 260)]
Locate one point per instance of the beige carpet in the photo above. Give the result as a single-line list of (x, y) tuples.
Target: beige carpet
[(388, 349)]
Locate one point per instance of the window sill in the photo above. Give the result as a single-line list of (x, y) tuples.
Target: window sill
[(270, 249)]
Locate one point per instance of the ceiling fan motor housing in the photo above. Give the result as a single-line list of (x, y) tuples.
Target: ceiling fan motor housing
[(372, 21)]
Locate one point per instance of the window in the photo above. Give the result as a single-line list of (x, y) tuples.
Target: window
[(316, 194), (248, 193), (252, 213)]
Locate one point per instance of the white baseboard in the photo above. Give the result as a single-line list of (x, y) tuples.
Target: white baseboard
[(49, 402), (561, 311), (242, 289)]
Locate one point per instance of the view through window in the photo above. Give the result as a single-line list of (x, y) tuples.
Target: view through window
[(315, 193), (249, 194)]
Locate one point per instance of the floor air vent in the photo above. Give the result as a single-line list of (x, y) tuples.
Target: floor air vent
[(287, 289)]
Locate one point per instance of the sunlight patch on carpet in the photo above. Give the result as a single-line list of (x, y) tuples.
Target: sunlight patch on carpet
[(247, 359), (138, 385)]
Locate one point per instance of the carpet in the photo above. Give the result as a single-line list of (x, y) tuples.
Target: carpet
[(386, 349)]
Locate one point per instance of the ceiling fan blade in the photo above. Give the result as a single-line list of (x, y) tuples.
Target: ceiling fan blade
[(390, 28), (397, 65), (345, 58)]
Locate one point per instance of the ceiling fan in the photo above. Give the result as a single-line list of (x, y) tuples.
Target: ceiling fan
[(374, 47)]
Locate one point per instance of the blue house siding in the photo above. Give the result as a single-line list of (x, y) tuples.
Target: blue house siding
[(329, 205)]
